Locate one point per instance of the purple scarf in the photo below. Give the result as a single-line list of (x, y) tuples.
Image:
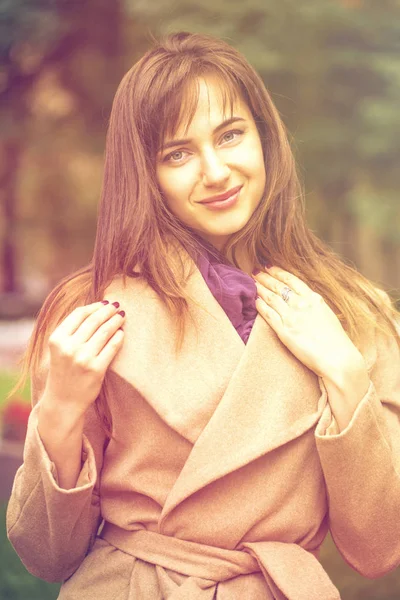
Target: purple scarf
[(234, 290)]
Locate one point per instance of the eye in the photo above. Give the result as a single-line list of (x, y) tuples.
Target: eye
[(176, 156), (229, 136)]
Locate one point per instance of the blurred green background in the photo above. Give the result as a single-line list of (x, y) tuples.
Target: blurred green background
[(333, 70)]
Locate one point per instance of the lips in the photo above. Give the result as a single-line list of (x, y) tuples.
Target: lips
[(221, 197)]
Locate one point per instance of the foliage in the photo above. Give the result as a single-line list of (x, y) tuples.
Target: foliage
[(60, 63), (23, 20), (7, 381)]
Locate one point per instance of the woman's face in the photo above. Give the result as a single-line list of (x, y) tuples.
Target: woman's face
[(215, 157)]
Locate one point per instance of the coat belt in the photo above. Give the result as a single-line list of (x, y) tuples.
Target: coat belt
[(291, 572)]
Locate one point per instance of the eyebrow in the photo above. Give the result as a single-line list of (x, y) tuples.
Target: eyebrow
[(182, 142)]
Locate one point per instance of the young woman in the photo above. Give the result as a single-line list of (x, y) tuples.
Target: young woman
[(196, 428)]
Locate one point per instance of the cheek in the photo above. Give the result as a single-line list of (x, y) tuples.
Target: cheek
[(168, 183), (175, 185), (253, 158)]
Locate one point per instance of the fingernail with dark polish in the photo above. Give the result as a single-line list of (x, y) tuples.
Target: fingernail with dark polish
[(121, 312), (105, 302), (256, 271), (116, 304)]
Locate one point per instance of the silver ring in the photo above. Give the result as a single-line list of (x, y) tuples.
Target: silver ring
[(286, 291)]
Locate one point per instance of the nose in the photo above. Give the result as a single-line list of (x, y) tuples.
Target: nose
[(214, 170)]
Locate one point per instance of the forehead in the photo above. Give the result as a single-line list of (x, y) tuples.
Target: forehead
[(205, 100)]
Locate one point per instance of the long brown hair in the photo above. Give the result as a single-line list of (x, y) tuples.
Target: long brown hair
[(136, 230)]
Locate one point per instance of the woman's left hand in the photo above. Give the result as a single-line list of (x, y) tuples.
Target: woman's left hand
[(305, 323)]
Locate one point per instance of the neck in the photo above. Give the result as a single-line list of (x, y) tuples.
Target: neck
[(244, 262)]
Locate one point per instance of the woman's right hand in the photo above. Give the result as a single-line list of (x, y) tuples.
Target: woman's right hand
[(81, 349)]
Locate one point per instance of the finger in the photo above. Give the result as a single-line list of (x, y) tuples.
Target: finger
[(106, 356), (272, 299), (71, 323), (271, 283), (92, 323), (269, 314), (295, 284), (103, 334)]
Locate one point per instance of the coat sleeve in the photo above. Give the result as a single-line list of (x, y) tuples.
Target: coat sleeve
[(52, 528), (361, 466)]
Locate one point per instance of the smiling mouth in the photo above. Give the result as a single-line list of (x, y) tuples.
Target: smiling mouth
[(222, 197)]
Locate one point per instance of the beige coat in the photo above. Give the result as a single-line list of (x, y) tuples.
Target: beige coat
[(226, 473)]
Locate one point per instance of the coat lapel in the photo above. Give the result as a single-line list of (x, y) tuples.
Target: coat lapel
[(270, 400), (184, 389), (233, 402)]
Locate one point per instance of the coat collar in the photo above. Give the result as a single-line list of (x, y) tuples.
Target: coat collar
[(233, 402)]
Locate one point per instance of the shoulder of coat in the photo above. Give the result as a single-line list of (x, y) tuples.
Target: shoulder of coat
[(125, 286)]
